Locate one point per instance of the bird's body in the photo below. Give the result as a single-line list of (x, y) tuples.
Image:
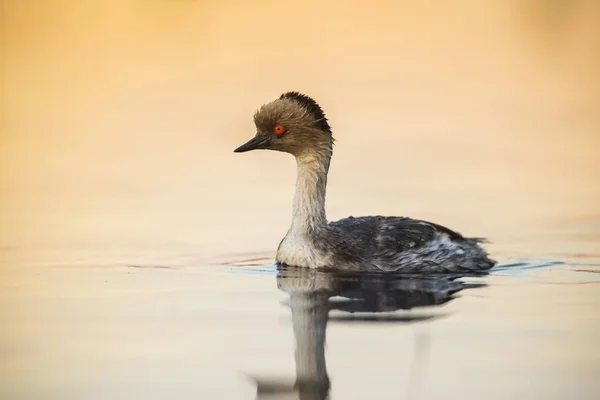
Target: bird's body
[(295, 123), (388, 244)]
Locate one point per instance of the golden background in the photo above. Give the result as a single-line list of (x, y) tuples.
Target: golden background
[(114, 107), (118, 123)]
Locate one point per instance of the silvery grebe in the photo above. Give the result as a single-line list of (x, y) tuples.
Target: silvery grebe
[(294, 123)]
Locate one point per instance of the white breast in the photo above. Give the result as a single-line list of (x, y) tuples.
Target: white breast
[(297, 249)]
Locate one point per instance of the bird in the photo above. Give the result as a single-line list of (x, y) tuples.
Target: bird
[(295, 123)]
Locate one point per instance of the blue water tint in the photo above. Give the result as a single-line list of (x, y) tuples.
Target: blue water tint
[(520, 267), (527, 266), (524, 266), (263, 270)]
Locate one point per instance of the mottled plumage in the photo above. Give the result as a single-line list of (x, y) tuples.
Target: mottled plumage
[(404, 245), (376, 243)]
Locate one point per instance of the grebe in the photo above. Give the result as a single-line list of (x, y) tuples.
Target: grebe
[(294, 123)]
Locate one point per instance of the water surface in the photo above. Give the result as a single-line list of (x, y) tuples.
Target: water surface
[(134, 326)]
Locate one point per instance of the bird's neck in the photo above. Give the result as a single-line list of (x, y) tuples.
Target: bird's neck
[(309, 198), (309, 317)]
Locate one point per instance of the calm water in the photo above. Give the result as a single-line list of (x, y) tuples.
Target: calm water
[(126, 320)]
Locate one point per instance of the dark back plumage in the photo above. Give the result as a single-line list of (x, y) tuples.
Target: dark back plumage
[(313, 108)]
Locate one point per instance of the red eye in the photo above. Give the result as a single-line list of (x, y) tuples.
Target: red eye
[(279, 129)]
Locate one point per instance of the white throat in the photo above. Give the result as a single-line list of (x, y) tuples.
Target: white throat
[(308, 211)]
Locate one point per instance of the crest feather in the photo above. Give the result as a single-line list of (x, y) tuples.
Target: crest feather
[(311, 106)]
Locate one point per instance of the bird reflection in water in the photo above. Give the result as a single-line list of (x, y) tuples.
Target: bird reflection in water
[(371, 298)]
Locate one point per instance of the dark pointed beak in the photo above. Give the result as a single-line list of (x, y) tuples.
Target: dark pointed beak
[(257, 142)]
